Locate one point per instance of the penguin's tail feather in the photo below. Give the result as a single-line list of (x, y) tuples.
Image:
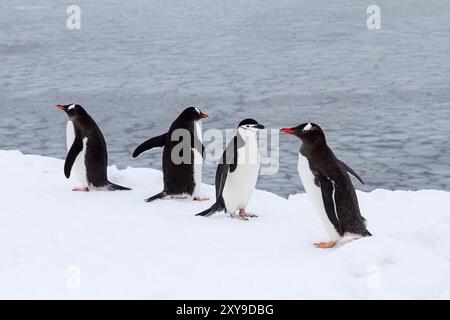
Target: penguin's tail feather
[(115, 187), (366, 233), (160, 195), (209, 212)]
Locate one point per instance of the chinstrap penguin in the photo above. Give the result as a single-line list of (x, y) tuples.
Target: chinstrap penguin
[(237, 172), (328, 185), (88, 155), (182, 172)]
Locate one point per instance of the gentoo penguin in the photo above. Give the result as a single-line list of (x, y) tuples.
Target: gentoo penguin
[(327, 182), (88, 156), (237, 172), (182, 172)]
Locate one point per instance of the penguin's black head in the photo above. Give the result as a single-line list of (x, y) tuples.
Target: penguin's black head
[(72, 110), (307, 132), (250, 124), (192, 114)]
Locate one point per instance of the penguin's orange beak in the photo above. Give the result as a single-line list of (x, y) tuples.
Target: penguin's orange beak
[(60, 107), (204, 116), (287, 131)]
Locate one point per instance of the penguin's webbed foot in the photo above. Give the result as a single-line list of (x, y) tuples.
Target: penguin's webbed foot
[(179, 197), (246, 214), (200, 199), (325, 245), (81, 189), (238, 216), (250, 215)]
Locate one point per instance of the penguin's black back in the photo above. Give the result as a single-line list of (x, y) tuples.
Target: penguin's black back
[(323, 161), (96, 158), (179, 178)]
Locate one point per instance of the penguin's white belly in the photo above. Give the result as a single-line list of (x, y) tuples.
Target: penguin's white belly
[(315, 195), (198, 161), (241, 183), (79, 166)]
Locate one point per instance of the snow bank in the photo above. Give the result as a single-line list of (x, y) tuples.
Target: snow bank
[(55, 243)]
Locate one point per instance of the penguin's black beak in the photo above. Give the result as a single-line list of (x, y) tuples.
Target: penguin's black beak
[(259, 126), (287, 131), (203, 116), (61, 107)]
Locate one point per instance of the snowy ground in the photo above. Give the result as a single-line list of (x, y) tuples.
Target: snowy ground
[(125, 248)]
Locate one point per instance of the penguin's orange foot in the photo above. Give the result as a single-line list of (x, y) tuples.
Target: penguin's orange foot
[(325, 245), (200, 199), (81, 190)]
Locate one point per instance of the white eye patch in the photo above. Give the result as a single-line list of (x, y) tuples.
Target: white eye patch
[(308, 127), (197, 109), (71, 107)]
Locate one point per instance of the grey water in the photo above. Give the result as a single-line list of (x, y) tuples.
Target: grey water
[(382, 96)]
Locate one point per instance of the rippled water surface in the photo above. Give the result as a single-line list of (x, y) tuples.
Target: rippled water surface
[(382, 97)]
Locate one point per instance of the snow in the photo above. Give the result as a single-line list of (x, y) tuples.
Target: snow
[(55, 243)]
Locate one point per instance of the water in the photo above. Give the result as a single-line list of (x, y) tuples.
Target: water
[(381, 96)]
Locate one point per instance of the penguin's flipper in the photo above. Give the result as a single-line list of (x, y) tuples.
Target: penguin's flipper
[(115, 187), (160, 195), (346, 168), (327, 188), (203, 152), (228, 163), (74, 151), (155, 142), (198, 145), (230, 155), (221, 177)]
